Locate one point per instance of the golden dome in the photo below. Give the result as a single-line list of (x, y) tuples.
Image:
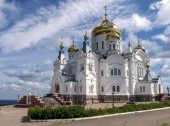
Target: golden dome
[(86, 36), (73, 48), (107, 27), (147, 64), (139, 46)]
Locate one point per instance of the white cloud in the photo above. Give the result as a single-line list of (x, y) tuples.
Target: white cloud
[(57, 22), (163, 8), (135, 23), (165, 36), (161, 37)]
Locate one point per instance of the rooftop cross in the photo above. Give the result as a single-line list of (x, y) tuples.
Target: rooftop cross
[(105, 8)]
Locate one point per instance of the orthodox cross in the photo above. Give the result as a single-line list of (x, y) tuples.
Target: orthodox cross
[(105, 8)]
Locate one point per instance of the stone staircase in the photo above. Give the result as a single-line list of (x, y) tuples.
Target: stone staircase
[(58, 98), (34, 101)]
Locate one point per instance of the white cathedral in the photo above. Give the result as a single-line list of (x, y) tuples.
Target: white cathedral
[(101, 71)]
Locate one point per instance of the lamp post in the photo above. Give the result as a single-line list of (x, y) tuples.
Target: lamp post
[(168, 90), (70, 95), (113, 99), (18, 97)]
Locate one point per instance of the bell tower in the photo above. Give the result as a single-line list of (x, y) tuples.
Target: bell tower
[(60, 61)]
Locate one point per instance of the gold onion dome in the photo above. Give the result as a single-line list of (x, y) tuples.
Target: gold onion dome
[(109, 28), (73, 48), (139, 46), (147, 65), (86, 36)]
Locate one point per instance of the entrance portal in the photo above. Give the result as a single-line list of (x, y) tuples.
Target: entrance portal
[(57, 88)]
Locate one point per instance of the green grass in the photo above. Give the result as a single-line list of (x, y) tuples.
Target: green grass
[(65, 112)]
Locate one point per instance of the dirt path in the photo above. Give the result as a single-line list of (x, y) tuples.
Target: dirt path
[(10, 116)]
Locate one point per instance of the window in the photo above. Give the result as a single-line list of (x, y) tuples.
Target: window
[(159, 88), (97, 45), (113, 89), (102, 73), (81, 88), (115, 71), (91, 88), (143, 89), (113, 46), (102, 44), (91, 80), (111, 72), (75, 88), (119, 72), (140, 89), (118, 89), (102, 88), (90, 66), (66, 88), (110, 47)]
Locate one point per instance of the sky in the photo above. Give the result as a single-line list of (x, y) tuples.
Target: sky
[(31, 32)]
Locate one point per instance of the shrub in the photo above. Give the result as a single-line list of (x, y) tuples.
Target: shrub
[(63, 112)]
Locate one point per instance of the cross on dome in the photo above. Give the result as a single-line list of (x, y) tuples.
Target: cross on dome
[(105, 7)]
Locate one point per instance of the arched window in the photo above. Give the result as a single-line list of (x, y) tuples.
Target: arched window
[(102, 44), (113, 89), (102, 88), (118, 89), (140, 89), (97, 45), (75, 88), (102, 73), (111, 72), (91, 88), (110, 47), (90, 66), (66, 88), (81, 88), (119, 72), (143, 88), (115, 71), (159, 88), (114, 46)]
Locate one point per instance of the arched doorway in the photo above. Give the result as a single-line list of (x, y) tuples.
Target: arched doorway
[(57, 88)]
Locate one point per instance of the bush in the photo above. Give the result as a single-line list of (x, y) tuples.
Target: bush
[(63, 112)]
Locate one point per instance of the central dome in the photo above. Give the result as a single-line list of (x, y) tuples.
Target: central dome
[(107, 27)]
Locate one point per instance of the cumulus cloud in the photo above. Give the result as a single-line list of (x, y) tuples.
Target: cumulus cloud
[(163, 8), (26, 78), (165, 36), (135, 23), (49, 22)]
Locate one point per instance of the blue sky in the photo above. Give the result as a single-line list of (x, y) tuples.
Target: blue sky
[(31, 31)]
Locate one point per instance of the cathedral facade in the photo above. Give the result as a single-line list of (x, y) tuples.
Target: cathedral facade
[(100, 71)]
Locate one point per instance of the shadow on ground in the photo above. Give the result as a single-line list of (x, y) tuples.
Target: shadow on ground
[(25, 119)]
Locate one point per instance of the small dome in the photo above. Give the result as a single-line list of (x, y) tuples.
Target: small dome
[(139, 46), (73, 48), (107, 27)]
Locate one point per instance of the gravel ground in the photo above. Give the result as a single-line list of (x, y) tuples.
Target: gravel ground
[(11, 116)]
